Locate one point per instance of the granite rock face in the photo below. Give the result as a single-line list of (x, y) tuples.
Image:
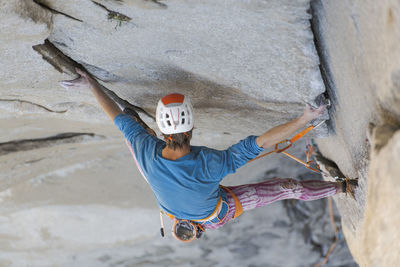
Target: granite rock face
[(377, 244), (254, 59), (360, 55)]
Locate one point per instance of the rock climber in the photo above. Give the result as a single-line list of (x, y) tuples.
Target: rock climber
[(186, 179)]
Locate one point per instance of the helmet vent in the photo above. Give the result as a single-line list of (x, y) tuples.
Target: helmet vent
[(169, 122), (183, 113), (183, 121), (167, 116)]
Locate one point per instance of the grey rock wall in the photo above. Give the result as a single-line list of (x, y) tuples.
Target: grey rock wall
[(234, 56), (359, 47)]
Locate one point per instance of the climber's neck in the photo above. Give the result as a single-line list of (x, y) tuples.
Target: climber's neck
[(172, 154)]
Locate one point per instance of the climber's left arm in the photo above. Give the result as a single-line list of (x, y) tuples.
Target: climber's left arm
[(85, 81)]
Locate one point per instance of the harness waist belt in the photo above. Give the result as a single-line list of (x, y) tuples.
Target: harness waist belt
[(216, 212), (238, 205), (220, 212), (222, 208)]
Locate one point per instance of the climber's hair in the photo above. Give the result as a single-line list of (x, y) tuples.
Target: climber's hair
[(178, 141)]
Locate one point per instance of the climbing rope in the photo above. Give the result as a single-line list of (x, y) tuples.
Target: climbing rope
[(335, 229)]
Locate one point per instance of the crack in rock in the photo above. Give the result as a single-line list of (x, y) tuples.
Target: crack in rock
[(103, 74), (56, 58), (140, 3), (30, 144), (326, 74), (330, 168), (119, 2), (65, 64), (44, 5), (22, 102), (158, 3)]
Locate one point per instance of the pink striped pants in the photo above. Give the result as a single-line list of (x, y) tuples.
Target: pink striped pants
[(257, 195)]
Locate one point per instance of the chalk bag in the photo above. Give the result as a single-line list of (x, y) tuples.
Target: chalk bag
[(186, 231)]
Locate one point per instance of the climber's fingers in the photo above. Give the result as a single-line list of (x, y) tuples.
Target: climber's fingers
[(311, 113), (80, 82), (320, 110)]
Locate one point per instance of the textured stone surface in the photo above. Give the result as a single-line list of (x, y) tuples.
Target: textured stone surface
[(239, 46), (378, 243), (359, 44), (256, 60)]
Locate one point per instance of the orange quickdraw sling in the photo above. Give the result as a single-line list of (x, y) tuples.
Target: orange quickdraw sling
[(289, 143)]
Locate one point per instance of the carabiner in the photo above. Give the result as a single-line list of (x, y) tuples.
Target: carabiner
[(277, 150)]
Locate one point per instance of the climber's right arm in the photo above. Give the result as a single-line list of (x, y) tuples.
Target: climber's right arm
[(108, 105), (280, 132)]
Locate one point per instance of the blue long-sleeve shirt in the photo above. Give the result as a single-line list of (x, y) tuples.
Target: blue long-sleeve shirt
[(188, 187)]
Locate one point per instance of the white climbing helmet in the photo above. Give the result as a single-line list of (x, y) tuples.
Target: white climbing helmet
[(174, 114)]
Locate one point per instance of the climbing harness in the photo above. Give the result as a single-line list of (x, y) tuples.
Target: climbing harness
[(217, 216)]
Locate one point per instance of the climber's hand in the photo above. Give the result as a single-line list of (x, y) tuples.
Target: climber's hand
[(311, 113), (83, 81)]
